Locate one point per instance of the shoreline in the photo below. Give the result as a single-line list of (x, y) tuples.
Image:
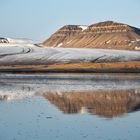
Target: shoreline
[(28, 70), (83, 67)]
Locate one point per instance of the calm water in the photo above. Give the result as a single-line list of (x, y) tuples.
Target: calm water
[(69, 107)]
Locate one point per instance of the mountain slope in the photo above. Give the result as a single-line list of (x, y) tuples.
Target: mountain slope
[(105, 35), (27, 57)]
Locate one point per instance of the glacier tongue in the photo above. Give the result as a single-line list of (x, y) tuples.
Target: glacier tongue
[(20, 54)]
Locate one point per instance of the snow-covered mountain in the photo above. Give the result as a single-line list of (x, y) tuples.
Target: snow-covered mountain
[(20, 41), (4, 40)]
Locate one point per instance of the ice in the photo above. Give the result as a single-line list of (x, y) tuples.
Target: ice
[(31, 54)]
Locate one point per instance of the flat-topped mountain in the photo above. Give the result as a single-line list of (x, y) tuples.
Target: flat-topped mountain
[(105, 35)]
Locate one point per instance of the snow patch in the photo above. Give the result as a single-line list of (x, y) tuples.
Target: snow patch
[(69, 41), (108, 41), (83, 27), (59, 45), (137, 48)]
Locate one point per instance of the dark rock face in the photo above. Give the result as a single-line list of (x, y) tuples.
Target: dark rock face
[(3, 40), (105, 35)]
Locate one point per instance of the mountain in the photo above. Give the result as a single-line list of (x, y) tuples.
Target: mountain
[(102, 35), (70, 49)]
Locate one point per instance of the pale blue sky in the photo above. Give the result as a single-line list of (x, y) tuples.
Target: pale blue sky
[(38, 19)]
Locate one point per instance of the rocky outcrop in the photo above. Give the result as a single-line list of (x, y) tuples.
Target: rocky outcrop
[(105, 35), (3, 40), (11, 41)]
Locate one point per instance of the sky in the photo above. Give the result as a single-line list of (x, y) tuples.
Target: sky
[(38, 19)]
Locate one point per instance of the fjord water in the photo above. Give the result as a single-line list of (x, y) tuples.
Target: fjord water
[(69, 106)]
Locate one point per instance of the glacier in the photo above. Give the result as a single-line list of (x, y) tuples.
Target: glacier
[(30, 54)]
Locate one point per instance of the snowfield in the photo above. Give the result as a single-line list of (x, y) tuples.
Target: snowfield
[(20, 41), (27, 54)]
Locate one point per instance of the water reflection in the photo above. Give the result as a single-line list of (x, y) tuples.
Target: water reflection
[(106, 95), (103, 103)]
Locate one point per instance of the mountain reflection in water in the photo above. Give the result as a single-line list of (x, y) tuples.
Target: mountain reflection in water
[(103, 103), (104, 96)]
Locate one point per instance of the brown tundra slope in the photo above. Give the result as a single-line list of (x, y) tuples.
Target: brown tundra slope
[(105, 35)]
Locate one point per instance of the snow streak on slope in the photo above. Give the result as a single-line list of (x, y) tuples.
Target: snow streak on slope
[(21, 54)]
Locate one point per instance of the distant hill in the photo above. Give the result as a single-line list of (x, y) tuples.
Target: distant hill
[(105, 35), (4, 40)]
